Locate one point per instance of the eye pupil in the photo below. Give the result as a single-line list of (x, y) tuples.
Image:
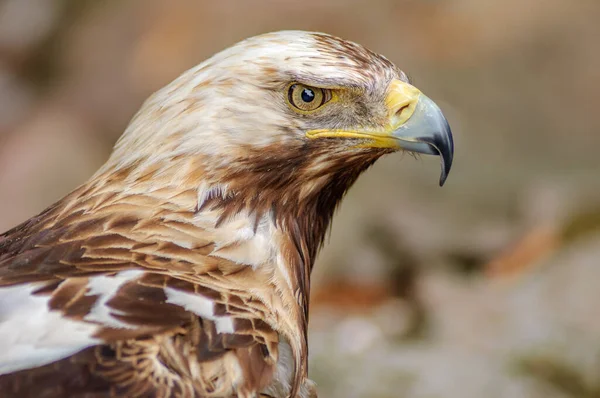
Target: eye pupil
[(307, 95), (305, 98)]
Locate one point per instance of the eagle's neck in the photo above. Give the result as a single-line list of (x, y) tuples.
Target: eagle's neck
[(298, 189)]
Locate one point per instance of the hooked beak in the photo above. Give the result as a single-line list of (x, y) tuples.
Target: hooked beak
[(416, 124), (421, 126)]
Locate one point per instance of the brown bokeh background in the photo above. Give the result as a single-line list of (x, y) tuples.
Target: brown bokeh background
[(488, 287)]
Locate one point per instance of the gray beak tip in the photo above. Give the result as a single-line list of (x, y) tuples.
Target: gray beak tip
[(446, 152), (427, 131)]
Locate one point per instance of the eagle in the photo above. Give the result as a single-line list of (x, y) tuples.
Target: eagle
[(181, 268)]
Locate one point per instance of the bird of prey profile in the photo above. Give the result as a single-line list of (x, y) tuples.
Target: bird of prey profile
[(182, 267)]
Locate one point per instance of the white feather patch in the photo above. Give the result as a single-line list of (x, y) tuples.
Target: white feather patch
[(106, 287), (31, 335), (207, 192), (239, 242), (201, 306)]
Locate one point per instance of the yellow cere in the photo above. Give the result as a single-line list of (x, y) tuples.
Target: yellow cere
[(401, 101)]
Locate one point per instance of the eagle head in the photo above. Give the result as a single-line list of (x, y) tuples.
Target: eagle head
[(289, 111)]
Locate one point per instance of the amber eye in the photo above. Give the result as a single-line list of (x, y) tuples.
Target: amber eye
[(306, 98)]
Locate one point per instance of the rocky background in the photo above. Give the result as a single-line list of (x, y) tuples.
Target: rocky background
[(489, 287)]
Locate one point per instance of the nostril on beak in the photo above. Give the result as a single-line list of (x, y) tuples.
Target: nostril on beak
[(401, 109)]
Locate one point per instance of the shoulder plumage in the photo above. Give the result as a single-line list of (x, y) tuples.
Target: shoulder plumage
[(105, 269)]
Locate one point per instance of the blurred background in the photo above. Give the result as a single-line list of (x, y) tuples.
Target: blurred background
[(488, 287)]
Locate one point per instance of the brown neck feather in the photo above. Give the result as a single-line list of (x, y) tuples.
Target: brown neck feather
[(300, 189)]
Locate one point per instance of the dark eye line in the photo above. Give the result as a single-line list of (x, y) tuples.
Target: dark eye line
[(291, 93), (326, 97)]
